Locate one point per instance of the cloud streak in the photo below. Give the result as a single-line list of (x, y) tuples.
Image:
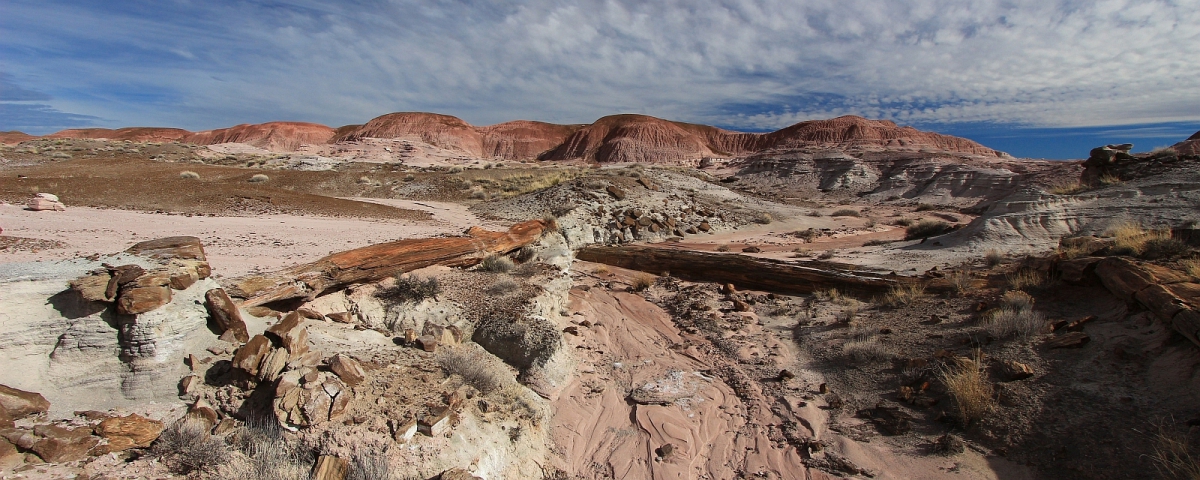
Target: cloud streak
[(752, 64)]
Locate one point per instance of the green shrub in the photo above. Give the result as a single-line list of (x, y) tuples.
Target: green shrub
[(497, 264)]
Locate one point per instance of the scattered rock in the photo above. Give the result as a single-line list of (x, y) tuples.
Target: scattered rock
[(93, 288), (949, 444), (347, 369), (10, 458), (428, 343), (665, 451), (58, 444), (1012, 371), (226, 316), (310, 314), (167, 248), (329, 467), (616, 192), (752, 249), (133, 431), (1069, 340), (889, 419), (250, 355), (137, 300), (17, 404), (457, 474), (42, 204), (435, 425), (291, 334)]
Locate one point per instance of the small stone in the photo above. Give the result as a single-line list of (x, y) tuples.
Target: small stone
[(573, 330), (1069, 340), (428, 343), (310, 314), (1012, 371), (752, 249), (341, 317), (665, 450), (786, 374), (226, 315), (250, 355), (616, 192)]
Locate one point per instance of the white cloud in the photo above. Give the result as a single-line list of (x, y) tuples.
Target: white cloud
[(1039, 63)]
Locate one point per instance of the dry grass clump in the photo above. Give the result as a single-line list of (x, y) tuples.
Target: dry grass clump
[(926, 229), (189, 175), (722, 248), (258, 178), (478, 368), (266, 453), (1026, 278), (1016, 300), (370, 464), (960, 280), (903, 295), (497, 264), (1015, 317), (186, 446), (993, 257), (967, 384), (478, 193), (867, 350), (409, 288), (924, 207), (826, 255), (763, 218), (1164, 245), (503, 286), (602, 270), (845, 212), (1131, 239), (642, 281), (1174, 455), (1109, 179), (902, 222), (806, 235), (1067, 187)]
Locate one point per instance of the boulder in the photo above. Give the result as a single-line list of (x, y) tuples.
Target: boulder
[(616, 192), (17, 404), (58, 444), (183, 247), (133, 431), (142, 299), (250, 355), (121, 275), (182, 279), (290, 333), (93, 288), (342, 317), (347, 369), (1078, 271), (203, 412), (226, 316), (10, 458), (42, 204), (273, 364), (752, 249)]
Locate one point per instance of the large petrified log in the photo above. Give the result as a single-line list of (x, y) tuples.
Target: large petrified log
[(379, 261), (741, 270)]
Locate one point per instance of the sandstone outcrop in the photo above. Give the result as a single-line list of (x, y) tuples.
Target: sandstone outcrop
[(132, 431), (133, 134), (274, 136), (17, 404), (14, 137)]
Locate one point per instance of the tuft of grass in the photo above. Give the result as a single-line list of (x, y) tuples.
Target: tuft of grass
[(1174, 456), (642, 281), (826, 255), (1016, 300), (1014, 317), (868, 350), (763, 218), (877, 242), (806, 235), (369, 464), (845, 212), (1163, 245), (478, 193), (1109, 179), (904, 294), (960, 280), (409, 288), (903, 222), (967, 384), (189, 175), (993, 257), (258, 178), (924, 207), (602, 270), (497, 264), (503, 286), (1067, 187), (186, 447), (1026, 278), (801, 253), (723, 248), (477, 368), (926, 229)]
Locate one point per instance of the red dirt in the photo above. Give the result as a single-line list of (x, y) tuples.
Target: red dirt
[(133, 134), (14, 137)]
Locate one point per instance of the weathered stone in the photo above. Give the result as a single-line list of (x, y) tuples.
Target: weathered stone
[(311, 314), (752, 249), (1122, 277), (329, 467), (404, 431), (137, 300), (181, 280), (157, 278), (704, 226), (225, 426), (889, 419), (121, 275), (182, 247), (291, 334), (428, 343), (1188, 292), (347, 369), (250, 355), (93, 288), (740, 306), (1069, 340), (188, 385), (1079, 270), (58, 444), (273, 364), (342, 317), (616, 192), (17, 404), (436, 424), (457, 474), (1012, 371), (10, 458), (1187, 323), (225, 315), (203, 412), (42, 204), (692, 230), (133, 431)]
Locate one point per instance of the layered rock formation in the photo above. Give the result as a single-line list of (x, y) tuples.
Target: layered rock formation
[(14, 137), (1191, 146), (274, 136), (133, 134)]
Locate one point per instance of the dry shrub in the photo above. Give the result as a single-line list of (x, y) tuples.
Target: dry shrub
[(831, 295), (923, 207), (1026, 278), (1174, 454), (867, 350), (926, 229), (1130, 238), (503, 286), (967, 384), (642, 281), (902, 222), (960, 280), (806, 235), (258, 178), (1192, 267), (1066, 187), (1010, 322), (602, 270), (1109, 179), (189, 175), (763, 218), (267, 453), (186, 446), (1072, 251), (993, 257), (497, 264), (477, 368), (479, 193), (1016, 300), (1163, 245), (369, 464), (409, 288), (826, 255), (801, 253), (904, 295), (723, 248), (845, 212)]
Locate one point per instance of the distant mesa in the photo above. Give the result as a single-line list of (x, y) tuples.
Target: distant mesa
[(14, 137), (615, 138)]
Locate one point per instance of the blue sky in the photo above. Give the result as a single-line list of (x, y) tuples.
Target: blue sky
[(1036, 78)]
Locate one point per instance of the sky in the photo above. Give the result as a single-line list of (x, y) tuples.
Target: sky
[(1035, 78)]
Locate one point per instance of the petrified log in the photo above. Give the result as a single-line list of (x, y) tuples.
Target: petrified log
[(379, 261), (741, 270)]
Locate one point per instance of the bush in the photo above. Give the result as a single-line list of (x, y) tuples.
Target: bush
[(1174, 454), (806, 235), (845, 212), (904, 294), (722, 248), (877, 242), (993, 257), (1016, 300), (189, 175), (763, 218), (258, 178), (642, 281), (369, 464), (497, 264), (926, 229), (410, 289), (903, 222), (1163, 246), (186, 446), (478, 368), (1026, 278), (826, 255), (503, 286), (923, 207), (960, 280), (866, 350), (1015, 319), (968, 386)]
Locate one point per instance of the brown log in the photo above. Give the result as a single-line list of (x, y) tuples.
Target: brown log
[(377, 262), (741, 270)]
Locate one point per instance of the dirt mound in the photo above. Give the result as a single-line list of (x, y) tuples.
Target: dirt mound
[(134, 134), (640, 138), (443, 131), (14, 137), (275, 136)]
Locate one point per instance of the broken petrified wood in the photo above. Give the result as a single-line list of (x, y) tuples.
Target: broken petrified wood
[(226, 316)]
